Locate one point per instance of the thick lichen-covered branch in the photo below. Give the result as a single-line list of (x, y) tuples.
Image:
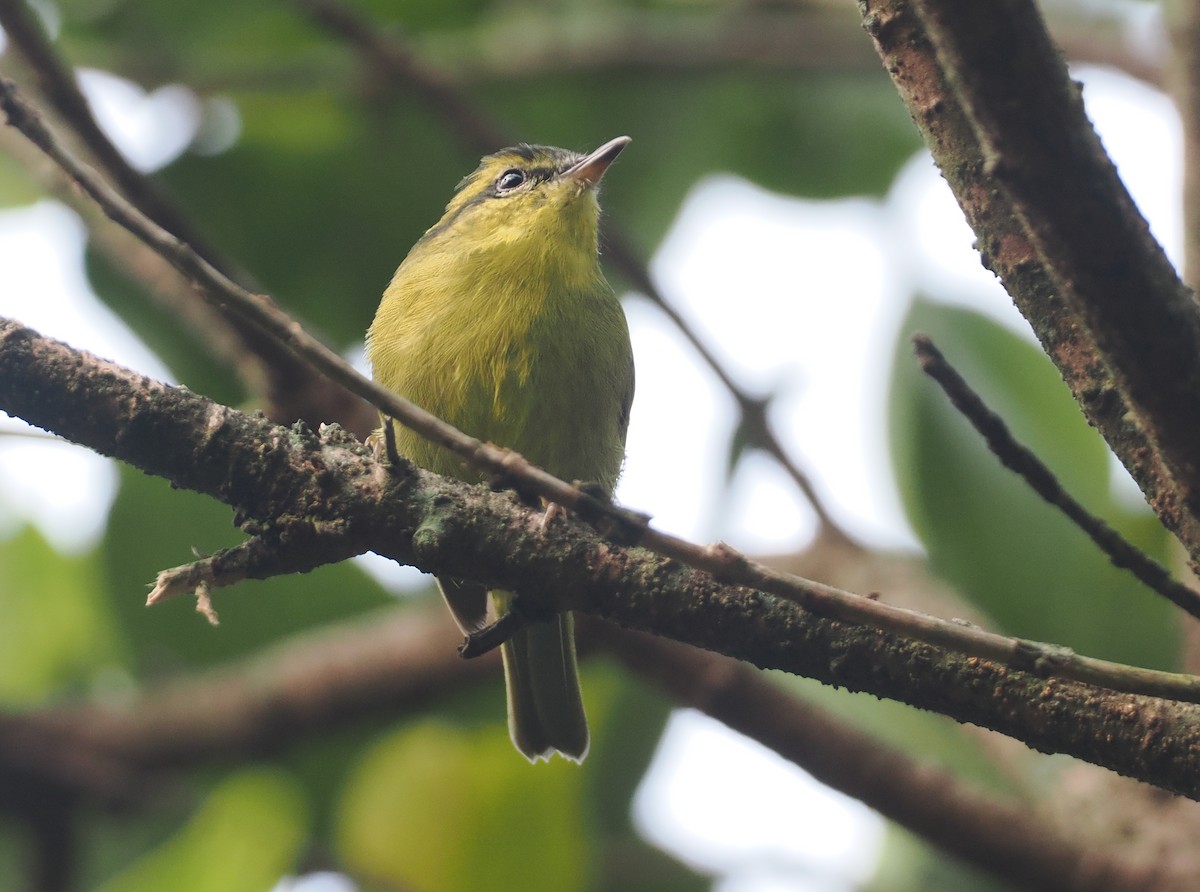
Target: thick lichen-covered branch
[(312, 499)]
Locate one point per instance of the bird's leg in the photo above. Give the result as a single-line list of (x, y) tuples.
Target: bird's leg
[(382, 443), (389, 441)]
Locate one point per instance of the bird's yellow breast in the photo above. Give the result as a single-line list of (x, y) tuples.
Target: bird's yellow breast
[(516, 339)]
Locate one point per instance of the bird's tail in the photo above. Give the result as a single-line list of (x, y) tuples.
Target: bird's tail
[(545, 707)]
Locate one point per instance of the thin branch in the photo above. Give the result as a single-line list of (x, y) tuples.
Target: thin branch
[(1020, 459), (143, 267), (1006, 839), (391, 57), (620, 524), (291, 387), (318, 499), (1040, 150)]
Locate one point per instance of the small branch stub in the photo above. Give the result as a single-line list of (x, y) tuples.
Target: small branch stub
[(190, 579)]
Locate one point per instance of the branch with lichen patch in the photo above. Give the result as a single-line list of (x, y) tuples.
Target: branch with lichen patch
[(318, 498), (393, 58)]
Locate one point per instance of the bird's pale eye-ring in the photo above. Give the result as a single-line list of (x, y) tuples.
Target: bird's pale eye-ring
[(510, 179)]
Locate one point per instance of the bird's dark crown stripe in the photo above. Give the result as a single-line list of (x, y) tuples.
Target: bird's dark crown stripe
[(494, 164), (560, 159)]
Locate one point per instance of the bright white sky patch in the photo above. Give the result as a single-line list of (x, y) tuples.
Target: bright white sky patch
[(704, 800), (65, 490), (150, 129)]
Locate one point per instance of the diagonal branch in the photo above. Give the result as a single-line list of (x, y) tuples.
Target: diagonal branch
[(1005, 838), (56, 82), (399, 661), (297, 537), (503, 465), (1005, 248)]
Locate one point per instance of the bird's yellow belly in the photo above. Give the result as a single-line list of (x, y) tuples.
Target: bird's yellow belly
[(513, 391)]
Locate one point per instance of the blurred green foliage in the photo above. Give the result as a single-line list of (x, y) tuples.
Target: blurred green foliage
[(248, 831)]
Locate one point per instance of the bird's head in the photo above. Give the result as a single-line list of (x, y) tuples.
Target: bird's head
[(529, 197)]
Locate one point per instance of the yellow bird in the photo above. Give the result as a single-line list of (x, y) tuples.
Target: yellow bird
[(500, 321)]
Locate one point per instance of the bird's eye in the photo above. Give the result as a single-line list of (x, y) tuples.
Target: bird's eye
[(510, 180)]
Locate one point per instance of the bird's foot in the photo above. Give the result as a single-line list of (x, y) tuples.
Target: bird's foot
[(491, 636)]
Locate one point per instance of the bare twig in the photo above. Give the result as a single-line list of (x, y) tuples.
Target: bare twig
[(57, 84), (1005, 247), (1023, 461)]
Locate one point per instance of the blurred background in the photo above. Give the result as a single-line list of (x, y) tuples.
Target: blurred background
[(787, 212)]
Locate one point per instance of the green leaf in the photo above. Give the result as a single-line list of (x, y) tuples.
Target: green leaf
[(247, 834), (986, 532), (443, 809), (57, 631), (469, 782)]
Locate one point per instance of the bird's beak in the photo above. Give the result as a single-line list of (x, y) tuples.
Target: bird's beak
[(588, 171)]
